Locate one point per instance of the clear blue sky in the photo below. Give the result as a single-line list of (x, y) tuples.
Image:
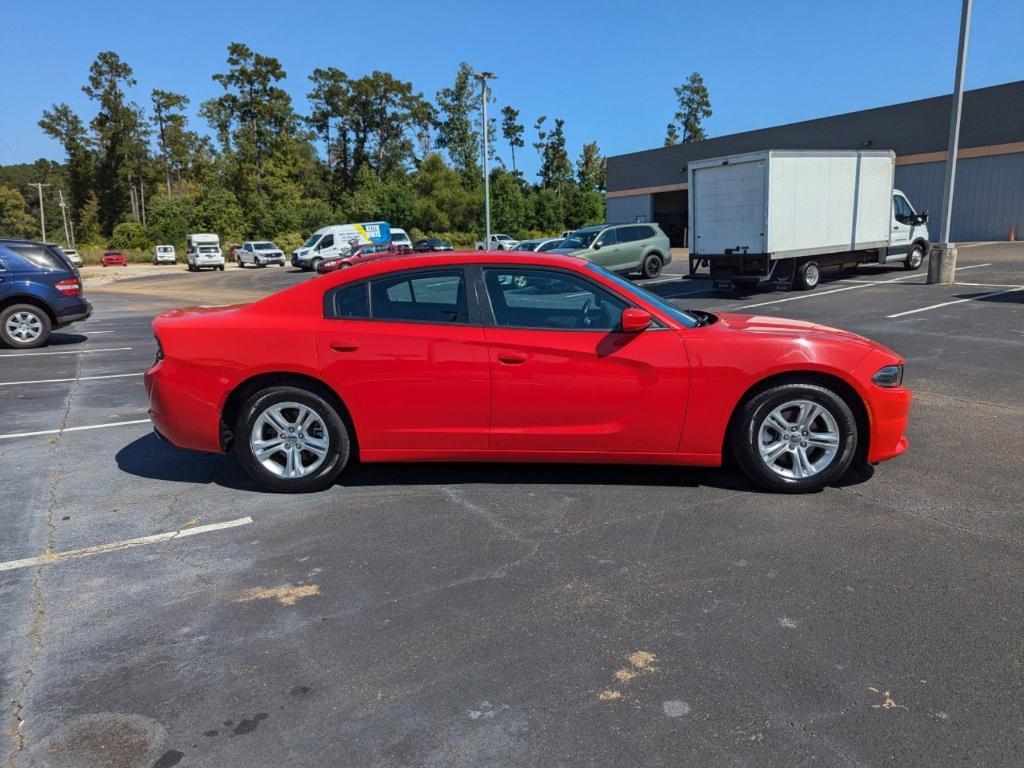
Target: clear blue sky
[(607, 68)]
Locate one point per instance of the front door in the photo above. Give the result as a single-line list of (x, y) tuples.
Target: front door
[(412, 369), (564, 378), (902, 228), (606, 250)]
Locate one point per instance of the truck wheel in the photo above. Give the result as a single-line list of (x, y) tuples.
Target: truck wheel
[(915, 258), (651, 266), (807, 277)]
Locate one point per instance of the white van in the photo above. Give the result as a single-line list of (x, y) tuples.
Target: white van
[(164, 254), (399, 237), (204, 251), (338, 240)]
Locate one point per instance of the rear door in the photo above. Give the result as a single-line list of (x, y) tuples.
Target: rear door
[(565, 378), (408, 356), (729, 207)]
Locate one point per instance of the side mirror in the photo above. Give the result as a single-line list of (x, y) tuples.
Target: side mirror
[(597, 245), (635, 320), (922, 217)]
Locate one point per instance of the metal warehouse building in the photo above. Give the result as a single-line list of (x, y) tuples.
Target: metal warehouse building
[(989, 196)]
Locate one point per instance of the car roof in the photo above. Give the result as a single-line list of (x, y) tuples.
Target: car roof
[(467, 258), (591, 228)]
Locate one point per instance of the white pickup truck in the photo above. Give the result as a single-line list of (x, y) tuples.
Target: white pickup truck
[(497, 243)]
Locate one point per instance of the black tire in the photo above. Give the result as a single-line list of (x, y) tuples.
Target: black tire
[(745, 438), (338, 434), (915, 258), (221, 268), (37, 319), (652, 265), (807, 276)]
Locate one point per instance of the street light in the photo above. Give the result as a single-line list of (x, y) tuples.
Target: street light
[(483, 77)]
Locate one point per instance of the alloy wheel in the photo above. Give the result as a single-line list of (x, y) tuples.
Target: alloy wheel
[(290, 440), (798, 439), (24, 327)]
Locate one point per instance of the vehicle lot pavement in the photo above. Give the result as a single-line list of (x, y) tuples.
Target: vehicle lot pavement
[(458, 615)]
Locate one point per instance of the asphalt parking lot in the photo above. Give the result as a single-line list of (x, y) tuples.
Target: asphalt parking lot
[(160, 610)]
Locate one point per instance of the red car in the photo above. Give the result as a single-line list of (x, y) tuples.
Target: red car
[(509, 357), (358, 255), (114, 259)]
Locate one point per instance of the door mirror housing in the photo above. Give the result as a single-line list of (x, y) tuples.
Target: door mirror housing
[(922, 217), (597, 245), (635, 320)]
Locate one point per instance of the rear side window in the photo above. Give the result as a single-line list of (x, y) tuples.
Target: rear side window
[(352, 302), (631, 234), (40, 256), (436, 297)]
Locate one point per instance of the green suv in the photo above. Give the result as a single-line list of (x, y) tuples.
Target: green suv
[(621, 248)]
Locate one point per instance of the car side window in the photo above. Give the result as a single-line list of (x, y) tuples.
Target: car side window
[(550, 300), (352, 302), (326, 242), (608, 237), (902, 210), (434, 297), (627, 234)]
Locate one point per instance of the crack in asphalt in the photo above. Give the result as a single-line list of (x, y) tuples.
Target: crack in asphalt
[(15, 727)]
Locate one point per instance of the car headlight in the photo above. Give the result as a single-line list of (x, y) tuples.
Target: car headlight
[(890, 376)]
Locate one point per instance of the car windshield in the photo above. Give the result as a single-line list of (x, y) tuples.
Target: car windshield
[(312, 241), (686, 318), (164, 248), (581, 239), (264, 246)]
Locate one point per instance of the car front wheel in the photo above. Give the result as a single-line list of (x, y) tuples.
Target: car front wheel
[(24, 326), (289, 439), (652, 266), (915, 258), (795, 438)]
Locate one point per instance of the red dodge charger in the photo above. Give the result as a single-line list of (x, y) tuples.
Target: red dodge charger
[(509, 357)]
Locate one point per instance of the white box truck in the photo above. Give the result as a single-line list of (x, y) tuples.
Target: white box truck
[(203, 250), (785, 215)]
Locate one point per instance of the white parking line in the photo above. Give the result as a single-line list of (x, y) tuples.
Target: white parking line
[(76, 378), (56, 557), (65, 352), (906, 277), (72, 429), (951, 303)]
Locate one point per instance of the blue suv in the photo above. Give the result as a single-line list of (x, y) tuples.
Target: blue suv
[(39, 291)]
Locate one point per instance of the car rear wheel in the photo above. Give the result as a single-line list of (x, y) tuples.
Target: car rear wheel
[(24, 326), (289, 439), (795, 438), (652, 265), (915, 258)]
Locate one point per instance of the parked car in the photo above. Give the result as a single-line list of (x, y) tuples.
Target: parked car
[(521, 357), (497, 243), (233, 250), (114, 259), (39, 291), (73, 257), (623, 248), (165, 254), (358, 255), (432, 244), (400, 240), (204, 251), (542, 245), (260, 253)]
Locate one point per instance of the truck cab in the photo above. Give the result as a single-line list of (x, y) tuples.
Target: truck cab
[(497, 243), (909, 240)]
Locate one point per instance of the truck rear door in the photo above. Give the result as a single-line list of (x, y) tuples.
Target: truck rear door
[(729, 207)]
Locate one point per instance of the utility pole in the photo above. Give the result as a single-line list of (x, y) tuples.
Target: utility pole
[(42, 213), (483, 77), (64, 216), (942, 260)]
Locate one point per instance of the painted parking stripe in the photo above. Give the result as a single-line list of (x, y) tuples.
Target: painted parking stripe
[(951, 303), (71, 554), (73, 429), (906, 277), (65, 352), (75, 378)]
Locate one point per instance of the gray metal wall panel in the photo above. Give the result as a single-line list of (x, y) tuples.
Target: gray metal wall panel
[(988, 201), (991, 116), (623, 210)]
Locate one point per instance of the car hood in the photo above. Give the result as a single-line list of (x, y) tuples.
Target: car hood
[(781, 327)]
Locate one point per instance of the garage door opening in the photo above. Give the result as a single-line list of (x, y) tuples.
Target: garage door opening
[(670, 210)]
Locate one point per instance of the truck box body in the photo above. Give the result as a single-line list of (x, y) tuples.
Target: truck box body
[(784, 203)]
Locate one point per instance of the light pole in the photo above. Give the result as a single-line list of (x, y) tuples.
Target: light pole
[(483, 77), (942, 260), (42, 214)]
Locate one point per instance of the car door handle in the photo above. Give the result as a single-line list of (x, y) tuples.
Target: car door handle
[(344, 346), (511, 358)]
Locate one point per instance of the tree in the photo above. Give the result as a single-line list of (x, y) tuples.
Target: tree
[(508, 206), (555, 167), (694, 107), (512, 130), (590, 168), (455, 130), (170, 218), (66, 127), (15, 220), (671, 135), (331, 99), (173, 138)]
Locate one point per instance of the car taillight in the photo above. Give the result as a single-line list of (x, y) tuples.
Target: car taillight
[(69, 287)]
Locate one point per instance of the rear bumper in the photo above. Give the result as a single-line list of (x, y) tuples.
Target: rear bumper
[(183, 411), (80, 310)]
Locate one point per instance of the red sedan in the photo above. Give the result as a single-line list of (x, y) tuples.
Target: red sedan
[(508, 357), (358, 255), (114, 259)]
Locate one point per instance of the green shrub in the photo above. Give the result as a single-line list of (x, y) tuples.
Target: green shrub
[(129, 234)]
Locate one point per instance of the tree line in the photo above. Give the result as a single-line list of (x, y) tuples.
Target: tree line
[(371, 148)]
